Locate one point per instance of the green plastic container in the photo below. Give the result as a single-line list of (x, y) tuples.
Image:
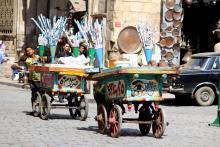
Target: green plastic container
[(75, 51), (41, 50), (91, 56)]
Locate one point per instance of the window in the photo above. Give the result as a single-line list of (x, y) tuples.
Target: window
[(197, 63), (216, 64), (6, 16)]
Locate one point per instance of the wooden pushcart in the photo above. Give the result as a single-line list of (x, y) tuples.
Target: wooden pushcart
[(138, 87), (58, 86)]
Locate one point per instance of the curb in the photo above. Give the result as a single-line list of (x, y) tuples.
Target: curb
[(11, 84)]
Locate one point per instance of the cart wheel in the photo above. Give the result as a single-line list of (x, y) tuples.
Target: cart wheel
[(36, 104), (102, 118), (83, 108), (115, 121), (73, 112), (45, 106), (158, 126), (144, 115)]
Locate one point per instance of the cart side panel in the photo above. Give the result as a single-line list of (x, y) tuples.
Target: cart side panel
[(144, 87), (68, 83), (47, 80), (130, 87)]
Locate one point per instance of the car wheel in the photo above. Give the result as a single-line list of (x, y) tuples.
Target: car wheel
[(204, 96)]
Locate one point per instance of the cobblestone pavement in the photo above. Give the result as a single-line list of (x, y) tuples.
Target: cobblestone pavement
[(188, 127)]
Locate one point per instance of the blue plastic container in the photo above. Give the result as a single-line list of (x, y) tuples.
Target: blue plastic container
[(148, 54), (52, 52), (99, 56)]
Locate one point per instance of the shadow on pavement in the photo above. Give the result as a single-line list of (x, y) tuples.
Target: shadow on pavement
[(60, 116), (124, 131), (53, 116), (90, 128), (27, 113), (178, 103)]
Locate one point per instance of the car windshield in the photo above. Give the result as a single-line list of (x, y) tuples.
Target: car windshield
[(196, 63)]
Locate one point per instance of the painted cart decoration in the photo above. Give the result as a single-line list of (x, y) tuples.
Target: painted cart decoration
[(137, 87), (59, 87)]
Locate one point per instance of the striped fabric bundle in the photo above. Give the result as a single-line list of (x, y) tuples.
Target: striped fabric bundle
[(51, 30), (146, 34), (42, 40), (92, 34), (73, 39)]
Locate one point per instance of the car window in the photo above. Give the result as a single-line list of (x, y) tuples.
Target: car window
[(197, 63), (216, 64)]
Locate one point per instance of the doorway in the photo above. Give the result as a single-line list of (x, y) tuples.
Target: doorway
[(200, 18)]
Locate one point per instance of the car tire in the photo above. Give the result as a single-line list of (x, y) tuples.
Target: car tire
[(204, 96)]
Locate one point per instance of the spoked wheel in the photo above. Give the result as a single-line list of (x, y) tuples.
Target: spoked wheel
[(73, 112), (144, 115), (115, 121), (36, 104), (102, 118), (158, 126), (45, 106), (83, 108)]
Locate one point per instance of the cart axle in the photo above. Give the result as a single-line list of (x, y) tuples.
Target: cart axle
[(63, 106), (135, 120)]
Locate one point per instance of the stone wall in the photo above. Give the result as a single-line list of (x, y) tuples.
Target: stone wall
[(122, 13)]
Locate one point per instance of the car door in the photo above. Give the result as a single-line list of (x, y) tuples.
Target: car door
[(195, 76), (215, 71)]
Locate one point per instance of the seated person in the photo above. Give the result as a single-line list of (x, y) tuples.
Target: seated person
[(83, 54), (82, 59), (17, 68), (66, 52)]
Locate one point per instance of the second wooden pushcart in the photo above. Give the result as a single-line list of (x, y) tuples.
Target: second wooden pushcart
[(138, 87)]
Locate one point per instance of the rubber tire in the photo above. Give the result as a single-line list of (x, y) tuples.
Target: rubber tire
[(71, 111), (45, 101), (154, 125), (119, 115), (86, 108), (211, 98), (144, 115), (101, 108), (36, 112)]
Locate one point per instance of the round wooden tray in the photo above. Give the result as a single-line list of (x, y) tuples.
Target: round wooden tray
[(129, 40)]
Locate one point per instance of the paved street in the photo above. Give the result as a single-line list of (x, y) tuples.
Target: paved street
[(188, 127)]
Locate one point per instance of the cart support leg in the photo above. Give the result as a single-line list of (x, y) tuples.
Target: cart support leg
[(217, 120)]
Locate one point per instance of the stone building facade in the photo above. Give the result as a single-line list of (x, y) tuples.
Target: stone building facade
[(119, 13)]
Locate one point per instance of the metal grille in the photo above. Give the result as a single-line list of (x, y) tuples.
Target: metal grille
[(6, 16)]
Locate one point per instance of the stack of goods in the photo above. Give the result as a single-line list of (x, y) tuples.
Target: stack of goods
[(146, 35), (94, 37), (171, 31), (42, 40), (73, 39), (93, 34), (51, 30)]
